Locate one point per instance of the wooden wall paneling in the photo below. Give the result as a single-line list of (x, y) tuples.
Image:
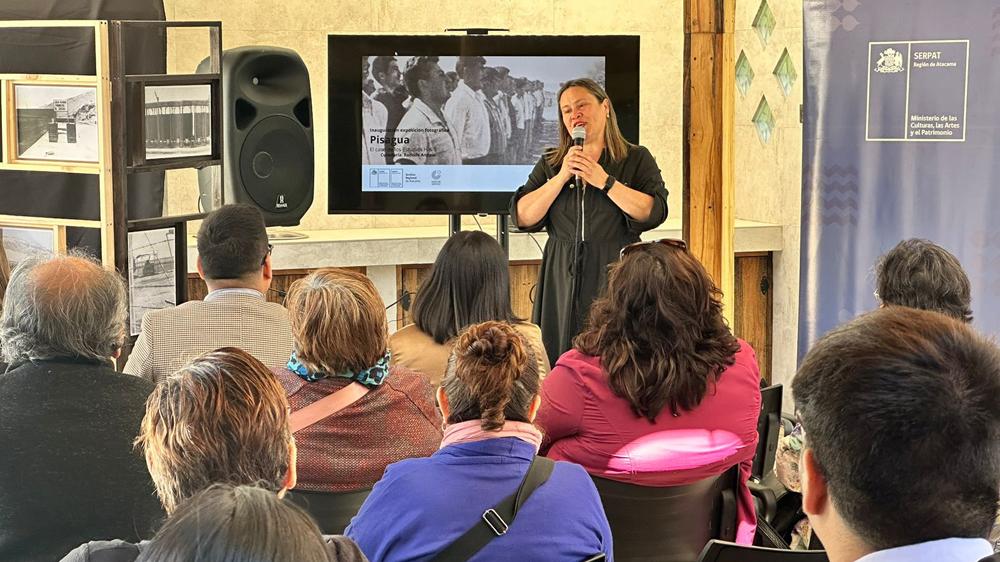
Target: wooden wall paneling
[(753, 298), (709, 105), (523, 291), (281, 281), (409, 278), (523, 287)]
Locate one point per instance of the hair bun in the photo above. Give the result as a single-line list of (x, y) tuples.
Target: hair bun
[(492, 343)]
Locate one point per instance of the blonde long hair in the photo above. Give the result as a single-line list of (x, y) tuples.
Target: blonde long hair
[(614, 141)]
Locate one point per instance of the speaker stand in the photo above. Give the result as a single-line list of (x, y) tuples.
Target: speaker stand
[(503, 234)]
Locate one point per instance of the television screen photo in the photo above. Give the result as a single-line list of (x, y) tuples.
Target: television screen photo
[(454, 124), (480, 123)]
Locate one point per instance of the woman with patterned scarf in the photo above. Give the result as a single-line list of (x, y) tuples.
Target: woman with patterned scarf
[(339, 326)]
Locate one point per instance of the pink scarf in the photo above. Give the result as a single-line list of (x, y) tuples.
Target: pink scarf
[(470, 431)]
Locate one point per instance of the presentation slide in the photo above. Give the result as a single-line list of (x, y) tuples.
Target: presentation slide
[(461, 124)]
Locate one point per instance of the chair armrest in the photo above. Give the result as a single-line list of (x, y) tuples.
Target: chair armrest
[(767, 493)]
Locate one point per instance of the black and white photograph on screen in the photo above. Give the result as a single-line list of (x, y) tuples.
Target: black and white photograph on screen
[(498, 110), (178, 121), (57, 123), (152, 273), (20, 243)]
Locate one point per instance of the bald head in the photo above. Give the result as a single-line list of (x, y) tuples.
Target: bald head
[(65, 306)]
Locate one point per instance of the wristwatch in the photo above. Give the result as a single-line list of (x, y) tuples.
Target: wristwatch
[(608, 184)]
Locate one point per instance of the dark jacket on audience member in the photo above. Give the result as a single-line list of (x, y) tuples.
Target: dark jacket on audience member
[(68, 470), (341, 548)]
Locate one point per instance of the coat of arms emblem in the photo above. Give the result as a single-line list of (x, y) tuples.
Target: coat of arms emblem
[(890, 61)]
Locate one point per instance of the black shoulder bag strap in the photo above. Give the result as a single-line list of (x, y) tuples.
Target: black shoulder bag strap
[(496, 520)]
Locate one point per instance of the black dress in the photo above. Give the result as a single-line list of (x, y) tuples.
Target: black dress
[(586, 231)]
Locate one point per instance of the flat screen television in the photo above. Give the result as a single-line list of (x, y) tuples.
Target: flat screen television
[(457, 147)]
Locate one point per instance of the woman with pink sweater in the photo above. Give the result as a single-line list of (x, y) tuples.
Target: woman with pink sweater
[(656, 391)]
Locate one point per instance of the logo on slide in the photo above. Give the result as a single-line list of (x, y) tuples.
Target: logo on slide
[(436, 175), (889, 62)]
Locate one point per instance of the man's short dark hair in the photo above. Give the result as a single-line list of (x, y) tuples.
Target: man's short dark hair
[(380, 65), (463, 62), (920, 274), (232, 242), (901, 409), (417, 68), (491, 75)]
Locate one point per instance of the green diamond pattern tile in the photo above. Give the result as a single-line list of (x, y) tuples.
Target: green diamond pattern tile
[(764, 22), (785, 72), (744, 74), (764, 120)]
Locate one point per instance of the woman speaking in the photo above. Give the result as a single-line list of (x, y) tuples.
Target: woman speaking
[(621, 194)]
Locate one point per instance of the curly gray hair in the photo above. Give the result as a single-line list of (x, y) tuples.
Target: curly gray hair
[(64, 306)]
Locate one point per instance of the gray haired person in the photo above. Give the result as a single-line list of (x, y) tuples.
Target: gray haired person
[(68, 472)]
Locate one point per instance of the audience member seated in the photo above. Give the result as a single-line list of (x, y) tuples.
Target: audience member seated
[(339, 327), (221, 419), (469, 283), (915, 273), (234, 259), (68, 471), (241, 524), (657, 391), (920, 274), (489, 397), (902, 438)]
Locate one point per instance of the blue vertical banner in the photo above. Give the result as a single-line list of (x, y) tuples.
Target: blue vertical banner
[(901, 139)]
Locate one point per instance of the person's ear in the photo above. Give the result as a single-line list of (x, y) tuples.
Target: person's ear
[(443, 405), (266, 269), (201, 270), (533, 409), (292, 475), (815, 493)]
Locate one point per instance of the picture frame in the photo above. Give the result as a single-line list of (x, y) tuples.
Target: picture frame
[(157, 269), (173, 121), (53, 123), (20, 241), (178, 121)]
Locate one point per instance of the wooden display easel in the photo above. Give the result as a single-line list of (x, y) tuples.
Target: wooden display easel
[(120, 130), (101, 82)]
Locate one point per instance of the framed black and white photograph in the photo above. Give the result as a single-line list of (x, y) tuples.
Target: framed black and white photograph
[(152, 273), (56, 123), (178, 121), (21, 242)]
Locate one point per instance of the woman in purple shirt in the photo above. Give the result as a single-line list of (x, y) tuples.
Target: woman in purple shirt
[(489, 397)]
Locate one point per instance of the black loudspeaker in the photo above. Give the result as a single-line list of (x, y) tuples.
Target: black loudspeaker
[(267, 134)]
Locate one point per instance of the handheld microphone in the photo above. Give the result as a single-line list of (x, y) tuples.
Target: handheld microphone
[(579, 135)]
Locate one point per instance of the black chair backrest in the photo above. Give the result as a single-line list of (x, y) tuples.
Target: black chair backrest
[(669, 524), (332, 511), (722, 551), (768, 423)]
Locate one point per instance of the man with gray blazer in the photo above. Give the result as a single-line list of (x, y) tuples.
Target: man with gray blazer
[(234, 259)]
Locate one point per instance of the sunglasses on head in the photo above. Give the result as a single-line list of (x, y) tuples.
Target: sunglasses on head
[(672, 242)]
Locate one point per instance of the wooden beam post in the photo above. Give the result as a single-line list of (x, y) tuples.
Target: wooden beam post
[(709, 98)]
